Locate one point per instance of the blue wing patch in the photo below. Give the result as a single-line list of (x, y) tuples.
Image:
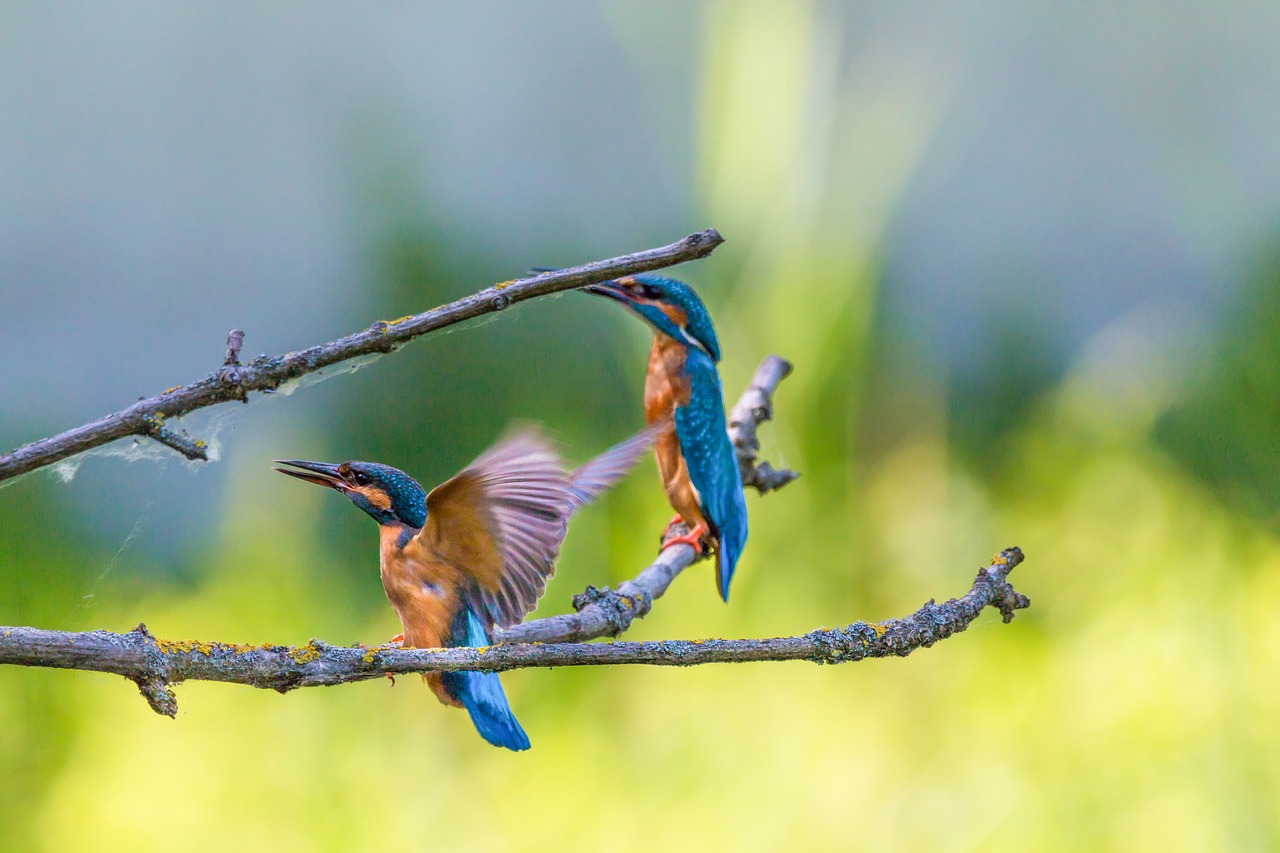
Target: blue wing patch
[(712, 464)]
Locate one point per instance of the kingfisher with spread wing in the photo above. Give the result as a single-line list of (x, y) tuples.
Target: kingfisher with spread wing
[(684, 404), (475, 552)]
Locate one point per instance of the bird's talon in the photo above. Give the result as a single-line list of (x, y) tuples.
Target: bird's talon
[(694, 539)]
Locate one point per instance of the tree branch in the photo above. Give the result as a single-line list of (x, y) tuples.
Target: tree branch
[(154, 664), (755, 407), (235, 381)]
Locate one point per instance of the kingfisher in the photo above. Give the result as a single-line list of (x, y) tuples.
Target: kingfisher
[(475, 552), (684, 405)]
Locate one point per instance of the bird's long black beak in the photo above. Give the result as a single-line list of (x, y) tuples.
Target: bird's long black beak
[(609, 289), (320, 473)]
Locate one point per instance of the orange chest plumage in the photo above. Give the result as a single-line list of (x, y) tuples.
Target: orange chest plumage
[(422, 588), (666, 386), (424, 592)]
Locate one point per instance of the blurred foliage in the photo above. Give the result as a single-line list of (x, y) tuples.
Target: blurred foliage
[(1132, 707), (1227, 430)]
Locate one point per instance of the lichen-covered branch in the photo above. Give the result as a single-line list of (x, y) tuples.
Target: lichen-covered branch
[(155, 664), (235, 381)]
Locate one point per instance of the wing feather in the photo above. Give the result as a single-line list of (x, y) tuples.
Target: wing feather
[(596, 475), (501, 521)]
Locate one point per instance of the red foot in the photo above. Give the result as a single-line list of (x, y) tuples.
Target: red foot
[(693, 538), (398, 639)]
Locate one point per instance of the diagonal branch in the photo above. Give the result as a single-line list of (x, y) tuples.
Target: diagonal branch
[(235, 381)]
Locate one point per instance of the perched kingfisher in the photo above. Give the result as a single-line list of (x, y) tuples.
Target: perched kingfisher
[(684, 404), (475, 552)]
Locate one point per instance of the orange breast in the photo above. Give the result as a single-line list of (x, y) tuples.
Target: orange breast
[(424, 593), (665, 387)]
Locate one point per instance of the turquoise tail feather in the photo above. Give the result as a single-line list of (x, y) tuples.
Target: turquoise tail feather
[(481, 693)]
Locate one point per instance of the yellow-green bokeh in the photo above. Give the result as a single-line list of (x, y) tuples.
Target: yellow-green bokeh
[(1133, 707)]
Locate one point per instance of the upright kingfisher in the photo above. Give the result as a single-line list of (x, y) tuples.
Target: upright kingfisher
[(475, 552), (684, 404)]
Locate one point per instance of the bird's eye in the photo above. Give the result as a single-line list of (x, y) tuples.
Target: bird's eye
[(360, 478), (651, 292)]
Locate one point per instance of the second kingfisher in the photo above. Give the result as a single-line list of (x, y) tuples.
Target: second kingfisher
[(683, 401)]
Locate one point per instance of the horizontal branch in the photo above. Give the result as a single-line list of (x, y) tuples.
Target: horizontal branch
[(235, 381), (154, 663)]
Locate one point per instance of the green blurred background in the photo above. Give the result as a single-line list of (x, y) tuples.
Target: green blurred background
[(1023, 258)]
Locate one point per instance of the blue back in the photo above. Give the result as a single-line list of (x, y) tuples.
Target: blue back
[(712, 463), (481, 692)]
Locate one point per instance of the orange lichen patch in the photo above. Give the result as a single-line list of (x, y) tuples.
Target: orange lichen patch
[(506, 283), (199, 442), (369, 655), (170, 647), (999, 560), (397, 321), (171, 390), (879, 629)]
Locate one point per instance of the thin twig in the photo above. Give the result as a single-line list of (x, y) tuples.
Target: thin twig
[(155, 664), (235, 381), (192, 449)]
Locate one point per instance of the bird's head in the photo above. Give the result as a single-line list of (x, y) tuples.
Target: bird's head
[(388, 494), (670, 306)]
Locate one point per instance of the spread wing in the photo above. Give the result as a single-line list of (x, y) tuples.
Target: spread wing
[(596, 475), (712, 463), (501, 521)]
